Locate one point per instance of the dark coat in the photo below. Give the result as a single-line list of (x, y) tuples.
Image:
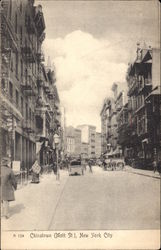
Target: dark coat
[(8, 184)]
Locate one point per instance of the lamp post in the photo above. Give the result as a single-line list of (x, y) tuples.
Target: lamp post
[(56, 141)]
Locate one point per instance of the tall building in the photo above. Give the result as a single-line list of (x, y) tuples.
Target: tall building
[(120, 100), (108, 122), (84, 150), (73, 142), (70, 142), (47, 115), (98, 145), (144, 94), (89, 136), (122, 121), (110, 115), (77, 136), (104, 116), (30, 112), (22, 30), (63, 126)]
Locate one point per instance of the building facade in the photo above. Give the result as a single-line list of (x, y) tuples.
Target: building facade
[(77, 136), (131, 121), (70, 142), (89, 137), (29, 99), (84, 150), (73, 142), (104, 116), (143, 79), (110, 119), (63, 126), (98, 145)]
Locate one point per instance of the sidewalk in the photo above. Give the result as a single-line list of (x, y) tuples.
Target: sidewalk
[(34, 204), (148, 173)]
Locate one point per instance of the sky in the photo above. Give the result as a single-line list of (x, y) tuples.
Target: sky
[(90, 44)]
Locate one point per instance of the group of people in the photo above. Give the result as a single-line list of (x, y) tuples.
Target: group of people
[(9, 183)]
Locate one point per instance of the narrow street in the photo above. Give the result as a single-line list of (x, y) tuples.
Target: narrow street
[(102, 200)]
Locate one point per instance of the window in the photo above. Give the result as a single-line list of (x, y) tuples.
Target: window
[(17, 64), (10, 10), (21, 69), (32, 68), (17, 98), (21, 6), (3, 83), (26, 73), (10, 89), (16, 22), (12, 64), (21, 35), (30, 118), (26, 111), (22, 105)]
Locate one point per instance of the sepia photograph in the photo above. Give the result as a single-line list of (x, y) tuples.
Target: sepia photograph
[(80, 118)]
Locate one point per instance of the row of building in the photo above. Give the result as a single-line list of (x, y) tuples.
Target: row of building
[(30, 105), (83, 142), (131, 120)]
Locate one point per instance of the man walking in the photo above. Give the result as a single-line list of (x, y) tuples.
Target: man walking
[(9, 184), (90, 166), (155, 165)]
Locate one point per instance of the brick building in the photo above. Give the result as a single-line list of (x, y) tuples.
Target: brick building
[(111, 115), (108, 123), (29, 99), (104, 117), (144, 120), (131, 122)]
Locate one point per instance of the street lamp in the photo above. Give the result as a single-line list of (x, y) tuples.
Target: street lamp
[(56, 141)]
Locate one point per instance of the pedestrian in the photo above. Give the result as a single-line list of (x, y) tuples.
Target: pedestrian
[(54, 167), (90, 166), (111, 164), (83, 164), (104, 164), (159, 167), (155, 165), (36, 169), (9, 185)]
